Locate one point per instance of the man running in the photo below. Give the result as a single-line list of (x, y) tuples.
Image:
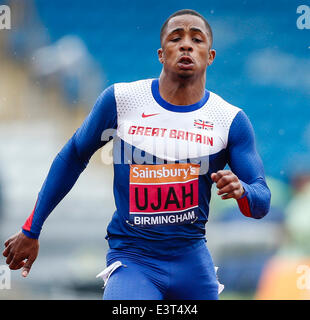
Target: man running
[(173, 140)]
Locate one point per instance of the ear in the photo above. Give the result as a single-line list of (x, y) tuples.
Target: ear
[(212, 54), (160, 55)]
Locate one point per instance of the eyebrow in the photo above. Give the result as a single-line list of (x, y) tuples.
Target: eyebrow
[(182, 29)]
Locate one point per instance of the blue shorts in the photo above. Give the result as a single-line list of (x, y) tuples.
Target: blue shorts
[(189, 276)]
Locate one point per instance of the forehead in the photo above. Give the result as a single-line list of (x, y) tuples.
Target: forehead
[(186, 22)]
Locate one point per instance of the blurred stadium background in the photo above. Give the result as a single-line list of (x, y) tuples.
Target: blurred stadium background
[(54, 62)]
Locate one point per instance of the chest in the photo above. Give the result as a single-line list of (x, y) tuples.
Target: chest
[(172, 135)]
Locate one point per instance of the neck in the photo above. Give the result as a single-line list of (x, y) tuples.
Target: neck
[(181, 91)]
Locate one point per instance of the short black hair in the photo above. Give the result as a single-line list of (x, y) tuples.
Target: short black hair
[(184, 12)]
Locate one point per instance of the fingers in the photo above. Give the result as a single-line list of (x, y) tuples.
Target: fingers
[(21, 252), (231, 195), (228, 184), (225, 177), (9, 258), (229, 188), (7, 242), (27, 266), (6, 251), (15, 261), (216, 176), (17, 265)]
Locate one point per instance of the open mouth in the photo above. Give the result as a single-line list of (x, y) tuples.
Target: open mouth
[(186, 60), (185, 63)]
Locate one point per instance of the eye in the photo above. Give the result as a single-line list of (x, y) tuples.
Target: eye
[(197, 40), (175, 39)]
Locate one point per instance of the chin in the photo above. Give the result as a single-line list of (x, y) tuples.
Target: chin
[(186, 74)]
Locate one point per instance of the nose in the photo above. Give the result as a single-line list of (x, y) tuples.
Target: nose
[(186, 45)]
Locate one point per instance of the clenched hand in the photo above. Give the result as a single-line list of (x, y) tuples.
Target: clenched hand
[(228, 184), (21, 252)]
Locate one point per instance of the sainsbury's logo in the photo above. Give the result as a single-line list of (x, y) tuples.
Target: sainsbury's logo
[(177, 172)]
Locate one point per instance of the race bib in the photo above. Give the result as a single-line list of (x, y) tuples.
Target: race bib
[(165, 194)]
